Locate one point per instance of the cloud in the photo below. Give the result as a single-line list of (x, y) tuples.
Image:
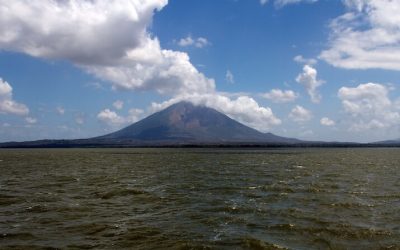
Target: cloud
[(397, 104), (366, 36), (199, 42), (327, 122), (60, 110), (7, 104), (152, 68), (31, 120), (279, 96), (300, 115), (369, 107), (108, 39), (111, 118), (301, 59), (79, 119), (243, 108), (83, 32), (134, 115), (309, 80), (306, 133), (282, 3), (118, 104), (229, 77)]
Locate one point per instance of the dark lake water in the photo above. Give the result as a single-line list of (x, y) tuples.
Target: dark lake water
[(200, 199)]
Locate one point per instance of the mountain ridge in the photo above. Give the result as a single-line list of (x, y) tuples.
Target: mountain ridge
[(187, 125), (186, 122), (389, 142), (181, 124)]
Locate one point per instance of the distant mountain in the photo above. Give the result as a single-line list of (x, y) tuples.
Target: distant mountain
[(388, 142), (178, 125), (186, 123)]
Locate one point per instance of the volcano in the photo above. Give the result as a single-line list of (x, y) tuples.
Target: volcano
[(185, 122), (181, 124)]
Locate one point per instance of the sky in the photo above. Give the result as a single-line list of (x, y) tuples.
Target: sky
[(310, 69)]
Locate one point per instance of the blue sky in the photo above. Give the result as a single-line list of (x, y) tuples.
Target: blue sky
[(310, 69)]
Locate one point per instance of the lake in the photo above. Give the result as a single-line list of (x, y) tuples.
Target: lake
[(200, 198)]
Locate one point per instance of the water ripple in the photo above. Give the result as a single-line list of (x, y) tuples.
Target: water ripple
[(200, 199)]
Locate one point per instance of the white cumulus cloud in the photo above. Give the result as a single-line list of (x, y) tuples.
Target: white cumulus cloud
[(7, 104), (118, 104), (60, 110), (327, 122), (310, 82), (84, 32), (80, 119), (282, 3), (369, 107), (366, 36), (300, 114), (112, 119), (134, 115), (152, 68), (301, 59), (199, 42), (243, 108), (108, 39), (31, 120), (280, 96)]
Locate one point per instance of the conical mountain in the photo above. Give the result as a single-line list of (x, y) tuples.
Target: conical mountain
[(186, 123)]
